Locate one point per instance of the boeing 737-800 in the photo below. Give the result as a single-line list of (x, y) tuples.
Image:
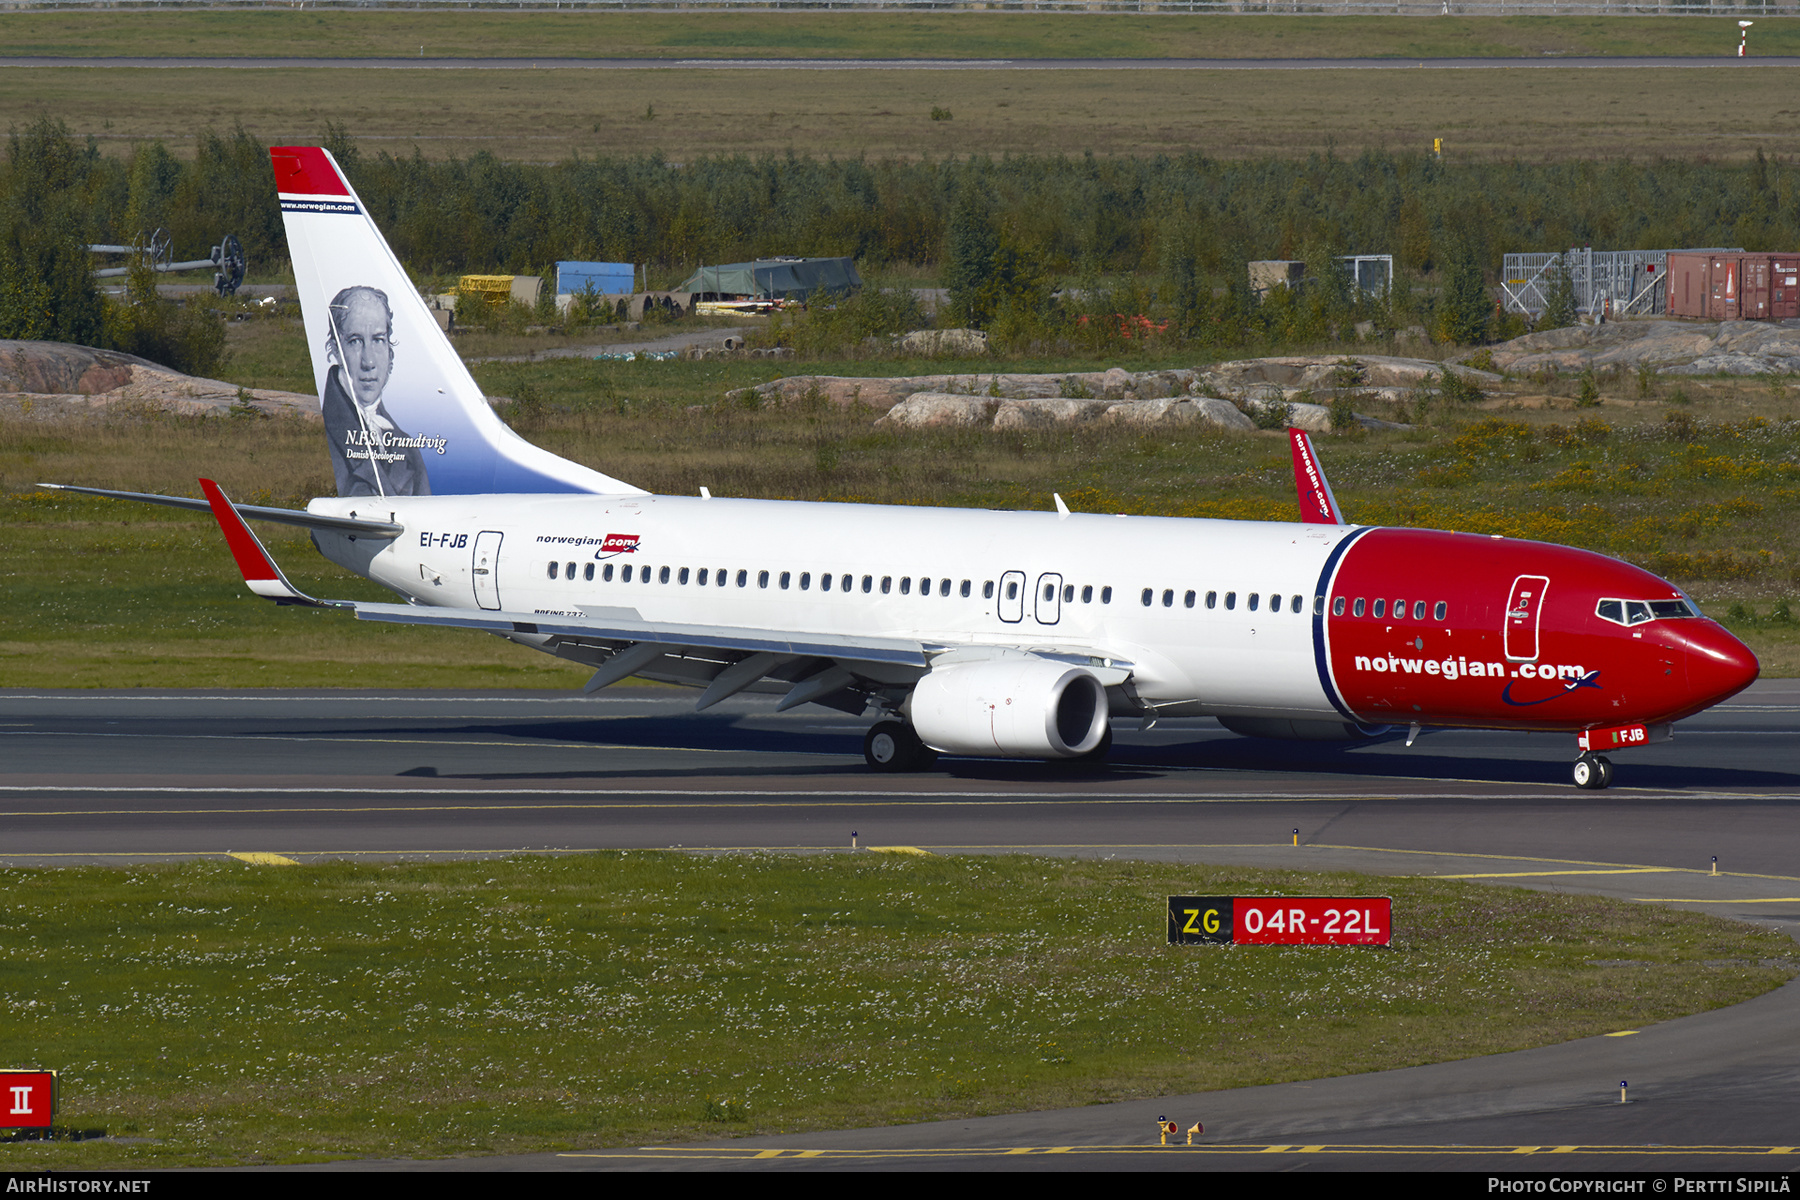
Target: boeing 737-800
[(1011, 634)]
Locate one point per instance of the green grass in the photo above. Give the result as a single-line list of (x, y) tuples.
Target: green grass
[(450, 33), (218, 1013), (549, 116)]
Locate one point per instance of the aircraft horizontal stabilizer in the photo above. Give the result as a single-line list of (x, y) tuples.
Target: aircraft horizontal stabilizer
[(283, 516)]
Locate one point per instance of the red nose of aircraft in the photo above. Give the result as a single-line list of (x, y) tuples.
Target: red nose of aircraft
[(1718, 665)]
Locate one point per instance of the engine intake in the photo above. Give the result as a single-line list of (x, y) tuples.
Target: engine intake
[(1015, 707)]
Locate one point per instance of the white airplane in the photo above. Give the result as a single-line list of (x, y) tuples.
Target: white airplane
[(970, 632)]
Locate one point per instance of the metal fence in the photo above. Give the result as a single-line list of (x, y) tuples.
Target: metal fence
[(1632, 281), (1409, 8)]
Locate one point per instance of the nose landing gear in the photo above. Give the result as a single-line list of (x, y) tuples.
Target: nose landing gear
[(1593, 772), (892, 746)]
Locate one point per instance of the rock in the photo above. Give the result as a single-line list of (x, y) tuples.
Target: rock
[(940, 410), (1221, 413), (1668, 346), (934, 343), (1036, 414), (59, 379), (1729, 364), (1114, 383)]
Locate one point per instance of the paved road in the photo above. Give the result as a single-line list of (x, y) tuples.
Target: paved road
[(909, 64), (129, 776)]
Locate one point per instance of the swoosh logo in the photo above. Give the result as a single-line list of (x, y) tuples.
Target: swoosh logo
[(1591, 679)]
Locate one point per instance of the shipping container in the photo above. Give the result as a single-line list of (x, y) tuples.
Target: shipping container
[(1734, 286)]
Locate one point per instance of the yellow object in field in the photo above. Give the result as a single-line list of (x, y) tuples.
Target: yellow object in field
[(495, 289)]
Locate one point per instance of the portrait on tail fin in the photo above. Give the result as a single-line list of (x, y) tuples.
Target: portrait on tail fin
[(370, 454)]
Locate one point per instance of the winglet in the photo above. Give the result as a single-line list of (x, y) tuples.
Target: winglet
[(261, 575), (1317, 505)]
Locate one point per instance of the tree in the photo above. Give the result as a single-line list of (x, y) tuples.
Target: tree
[(969, 267), (1464, 307), (1559, 296)]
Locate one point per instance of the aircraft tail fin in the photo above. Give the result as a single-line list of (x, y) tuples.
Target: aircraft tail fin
[(1317, 505), (403, 417)]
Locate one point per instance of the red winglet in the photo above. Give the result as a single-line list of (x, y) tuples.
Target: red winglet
[(261, 574), (306, 171), (1317, 505)]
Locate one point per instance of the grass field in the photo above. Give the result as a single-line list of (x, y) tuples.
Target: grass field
[(220, 1013), (449, 33), (551, 115), (1695, 482)]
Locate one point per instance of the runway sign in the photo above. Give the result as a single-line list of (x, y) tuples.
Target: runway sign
[(1281, 920), (27, 1099)]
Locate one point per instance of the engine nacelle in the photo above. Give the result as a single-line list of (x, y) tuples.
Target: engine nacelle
[(1302, 731), (1015, 707)]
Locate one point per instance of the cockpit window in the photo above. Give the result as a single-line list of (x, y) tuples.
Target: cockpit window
[(1637, 612)]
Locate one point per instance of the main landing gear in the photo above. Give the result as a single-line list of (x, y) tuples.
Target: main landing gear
[(1593, 772), (892, 746)]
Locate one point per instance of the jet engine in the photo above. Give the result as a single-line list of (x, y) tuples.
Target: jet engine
[(1021, 707)]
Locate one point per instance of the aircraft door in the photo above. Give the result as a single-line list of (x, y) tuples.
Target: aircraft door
[(1524, 609), (1012, 597), (1049, 599), (486, 569)]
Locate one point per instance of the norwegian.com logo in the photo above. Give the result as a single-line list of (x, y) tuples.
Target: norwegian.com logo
[(618, 543)]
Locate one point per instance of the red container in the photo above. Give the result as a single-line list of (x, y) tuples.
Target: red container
[(1733, 286)]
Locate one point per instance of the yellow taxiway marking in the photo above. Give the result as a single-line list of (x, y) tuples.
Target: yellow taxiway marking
[(747, 1154), (913, 850), (263, 858), (1622, 1033), (1594, 871), (1710, 900)]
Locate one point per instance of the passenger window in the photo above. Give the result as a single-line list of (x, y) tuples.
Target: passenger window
[(1106, 595), (845, 582), (1359, 606), (587, 573), (987, 590), (743, 579), (1337, 607), (762, 579), (1168, 597), (552, 574), (887, 584), (1068, 593), (965, 589), (1012, 589), (787, 577), (1318, 604), (625, 575), (944, 587), (868, 583), (684, 576), (719, 575), (569, 571), (924, 585), (1087, 593), (662, 576), (805, 580), (644, 575), (1188, 599), (1253, 599), (1212, 599), (606, 573), (1399, 610), (1418, 610), (1437, 613), (1230, 601), (700, 580), (1381, 608), (905, 585), (1147, 597), (1049, 591)]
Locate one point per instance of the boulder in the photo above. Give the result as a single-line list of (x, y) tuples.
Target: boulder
[(941, 410), (944, 343), (59, 379)]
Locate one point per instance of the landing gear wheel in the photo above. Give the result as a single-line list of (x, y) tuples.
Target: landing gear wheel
[(892, 746), (1592, 772)]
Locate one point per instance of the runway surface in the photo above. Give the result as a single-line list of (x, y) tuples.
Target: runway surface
[(907, 64), (111, 777)]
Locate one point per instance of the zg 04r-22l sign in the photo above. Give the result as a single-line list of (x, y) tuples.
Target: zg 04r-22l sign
[(1282, 920)]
